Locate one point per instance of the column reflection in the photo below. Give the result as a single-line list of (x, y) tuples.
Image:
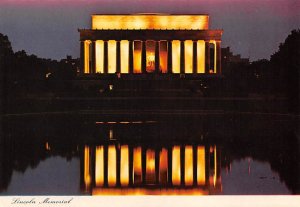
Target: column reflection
[(99, 168), (188, 175), (87, 172), (112, 165), (150, 166), (163, 166), (124, 169), (193, 169), (200, 165), (176, 165), (137, 165)]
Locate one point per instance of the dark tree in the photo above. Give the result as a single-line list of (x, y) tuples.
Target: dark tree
[(286, 68), (6, 60)]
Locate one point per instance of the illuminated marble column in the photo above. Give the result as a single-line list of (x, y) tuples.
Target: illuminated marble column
[(87, 56), (118, 56), (218, 57), (182, 57), (143, 56), (201, 56), (124, 56), (105, 62), (195, 55), (82, 57), (169, 48), (157, 56), (93, 57), (130, 59), (112, 56), (99, 56), (207, 57)]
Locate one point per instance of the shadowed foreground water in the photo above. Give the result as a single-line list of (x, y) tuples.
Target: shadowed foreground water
[(200, 154)]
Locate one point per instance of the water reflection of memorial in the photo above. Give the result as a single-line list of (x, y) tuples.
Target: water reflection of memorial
[(117, 167), (149, 157)]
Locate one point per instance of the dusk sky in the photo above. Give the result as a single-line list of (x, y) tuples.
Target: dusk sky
[(48, 28)]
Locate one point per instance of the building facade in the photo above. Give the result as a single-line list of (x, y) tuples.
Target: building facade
[(150, 43)]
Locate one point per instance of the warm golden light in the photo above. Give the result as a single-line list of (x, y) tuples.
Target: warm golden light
[(201, 165), (150, 21), (111, 132), (99, 168), (150, 56), (124, 56), (112, 48), (188, 169), (124, 168), (201, 56), (87, 173), (149, 191), (87, 56), (112, 165), (99, 56), (188, 56), (47, 146), (215, 165), (150, 166), (184, 173), (213, 168), (214, 68), (176, 56), (163, 166), (163, 56), (137, 55), (137, 165), (176, 179)]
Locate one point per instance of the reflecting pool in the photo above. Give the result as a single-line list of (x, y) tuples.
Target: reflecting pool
[(192, 154)]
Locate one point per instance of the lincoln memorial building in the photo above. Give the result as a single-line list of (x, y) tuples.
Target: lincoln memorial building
[(150, 43)]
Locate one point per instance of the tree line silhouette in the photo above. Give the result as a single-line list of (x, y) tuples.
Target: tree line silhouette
[(23, 74)]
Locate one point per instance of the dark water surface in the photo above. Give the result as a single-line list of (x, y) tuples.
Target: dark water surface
[(130, 154)]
